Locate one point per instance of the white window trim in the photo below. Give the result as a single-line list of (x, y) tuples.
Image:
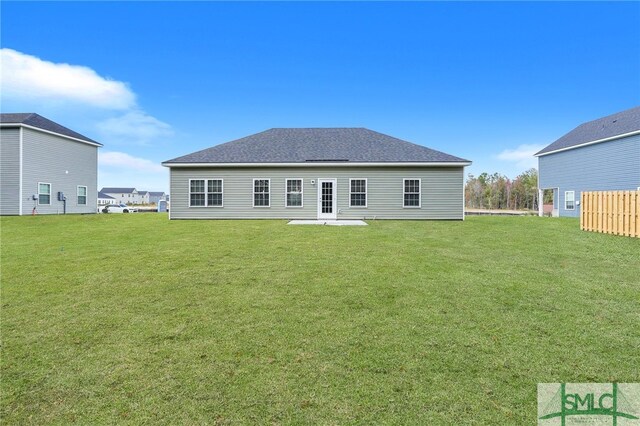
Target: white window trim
[(286, 185), (253, 193), (404, 181), (366, 193), (565, 200), (86, 195), (206, 193), (50, 193)]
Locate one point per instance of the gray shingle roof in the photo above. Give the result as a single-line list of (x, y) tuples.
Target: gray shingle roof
[(35, 120), (156, 194), (117, 190), (612, 125), (105, 196), (305, 145)]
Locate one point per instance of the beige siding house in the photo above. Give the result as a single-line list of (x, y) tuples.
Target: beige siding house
[(317, 173), (45, 168)]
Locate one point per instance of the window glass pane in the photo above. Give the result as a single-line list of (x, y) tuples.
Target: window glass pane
[(358, 200), (197, 199), (261, 200), (197, 186), (44, 188), (214, 199), (215, 185), (294, 200), (82, 190)]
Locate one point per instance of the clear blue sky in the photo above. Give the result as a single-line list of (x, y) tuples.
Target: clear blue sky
[(485, 81)]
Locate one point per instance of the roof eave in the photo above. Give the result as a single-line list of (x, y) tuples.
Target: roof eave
[(93, 143), (326, 164), (624, 135)]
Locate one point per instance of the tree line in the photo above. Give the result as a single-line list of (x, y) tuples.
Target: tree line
[(497, 191)]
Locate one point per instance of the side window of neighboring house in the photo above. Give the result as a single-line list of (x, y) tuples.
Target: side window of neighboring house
[(82, 195), (44, 193), (569, 200)]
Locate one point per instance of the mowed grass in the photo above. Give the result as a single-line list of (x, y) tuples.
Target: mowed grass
[(136, 319)]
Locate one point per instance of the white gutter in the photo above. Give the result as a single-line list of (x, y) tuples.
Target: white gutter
[(322, 164), (22, 125), (624, 135)]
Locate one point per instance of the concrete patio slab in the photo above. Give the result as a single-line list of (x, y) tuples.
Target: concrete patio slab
[(329, 222)]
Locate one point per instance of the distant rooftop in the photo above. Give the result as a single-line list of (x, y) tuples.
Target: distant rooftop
[(117, 190), (35, 120), (306, 145), (610, 126)]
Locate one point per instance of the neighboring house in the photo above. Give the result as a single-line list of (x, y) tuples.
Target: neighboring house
[(317, 173), (104, 199), (154, 197), (41, 163), (143, 197), (123, 195), (600, 155)]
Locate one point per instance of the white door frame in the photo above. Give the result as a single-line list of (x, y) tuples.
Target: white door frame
[(334, 200)]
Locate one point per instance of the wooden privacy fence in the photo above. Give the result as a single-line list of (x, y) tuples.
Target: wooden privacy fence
[(611, 212)]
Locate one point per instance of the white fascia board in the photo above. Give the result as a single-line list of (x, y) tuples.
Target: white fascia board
[(624, 135), (49, 132), (321, 164)]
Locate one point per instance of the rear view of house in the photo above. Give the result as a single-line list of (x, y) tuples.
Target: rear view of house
[(317, 173), (600, 155), (45, 168)]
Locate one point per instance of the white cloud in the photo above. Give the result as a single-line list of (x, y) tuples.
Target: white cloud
[(119, 169), (26, 76), (136, 126), (522, 156), (122, 160)]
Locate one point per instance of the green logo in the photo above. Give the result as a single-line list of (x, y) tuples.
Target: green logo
[(588, 403)]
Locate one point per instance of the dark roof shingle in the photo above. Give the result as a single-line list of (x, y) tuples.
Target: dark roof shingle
[(117, 190), (35, 120), (606, 127), (304, 145)]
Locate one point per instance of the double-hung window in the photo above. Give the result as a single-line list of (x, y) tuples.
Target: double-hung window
[(357, 193), (82, 195), (261, 192), (294, 193), (44, 193), (412, 193), (214, 193), (205, 192), (569, 200)]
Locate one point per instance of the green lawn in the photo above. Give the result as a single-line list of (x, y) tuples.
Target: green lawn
[(134, 319)]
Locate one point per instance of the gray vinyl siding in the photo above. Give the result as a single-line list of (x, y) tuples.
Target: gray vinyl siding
[(441, 194), (47, 158), (606, 166), (9, 171)]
